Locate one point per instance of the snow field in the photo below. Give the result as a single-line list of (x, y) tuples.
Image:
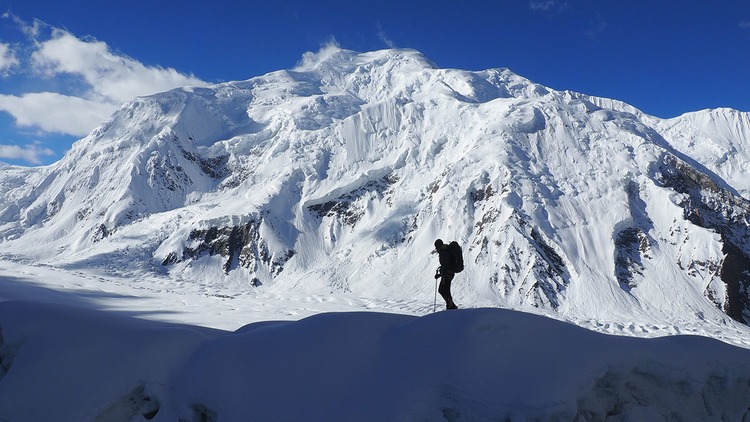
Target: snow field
[(71, 363)]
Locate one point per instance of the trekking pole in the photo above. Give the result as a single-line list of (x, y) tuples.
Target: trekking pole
[(434, 303)]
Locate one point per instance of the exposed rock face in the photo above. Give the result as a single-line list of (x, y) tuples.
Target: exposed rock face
[(345, 206), (240, 246), (632, 243), (708, 205), (531, 271)]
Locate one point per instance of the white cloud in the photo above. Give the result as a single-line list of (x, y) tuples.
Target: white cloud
[(56, 113), (30, 153), (8, 59), (745, 24), (30, 30), (112, 77), (107, 80)]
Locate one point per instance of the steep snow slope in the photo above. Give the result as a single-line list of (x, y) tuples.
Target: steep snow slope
[(718, 139), (74, 364), (340, 174)]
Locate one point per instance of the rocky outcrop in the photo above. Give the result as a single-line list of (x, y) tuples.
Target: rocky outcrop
[(709, 205), (345, 206), (531, 270), (632, 242), (240, 246)]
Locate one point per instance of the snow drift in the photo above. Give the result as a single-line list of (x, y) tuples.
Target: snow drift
[(64, 363)]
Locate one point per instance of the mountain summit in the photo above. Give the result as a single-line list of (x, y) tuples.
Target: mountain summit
[(339, 175)]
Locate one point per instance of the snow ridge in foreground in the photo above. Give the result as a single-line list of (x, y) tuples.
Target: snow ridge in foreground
[(64, 363)]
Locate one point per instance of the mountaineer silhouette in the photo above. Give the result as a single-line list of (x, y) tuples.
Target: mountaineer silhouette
[(451, 262)]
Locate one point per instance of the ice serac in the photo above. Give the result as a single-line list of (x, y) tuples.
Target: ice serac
[(340, 173)]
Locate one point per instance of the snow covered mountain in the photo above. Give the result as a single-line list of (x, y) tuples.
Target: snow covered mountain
[(339, 175)]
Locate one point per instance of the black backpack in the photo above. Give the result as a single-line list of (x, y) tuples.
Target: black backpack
[(456, 257)]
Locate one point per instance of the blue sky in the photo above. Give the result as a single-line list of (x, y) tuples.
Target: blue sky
[(66, 65)]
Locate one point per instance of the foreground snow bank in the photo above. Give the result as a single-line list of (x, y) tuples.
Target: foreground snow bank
[(62, 363)]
